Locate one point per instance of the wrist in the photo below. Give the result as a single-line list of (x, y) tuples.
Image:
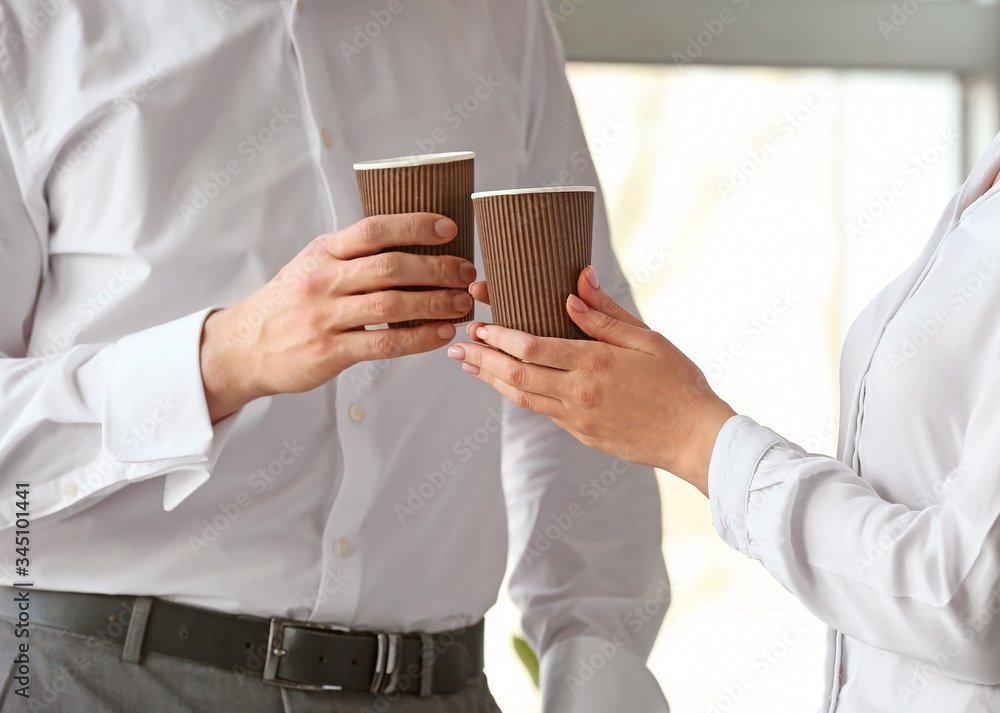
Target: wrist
[(700, 444), (225, 389)]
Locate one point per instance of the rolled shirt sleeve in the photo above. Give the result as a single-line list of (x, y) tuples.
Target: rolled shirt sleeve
[(918, 583)]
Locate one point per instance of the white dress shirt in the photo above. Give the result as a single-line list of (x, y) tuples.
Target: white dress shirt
[(896, 545), (159, 159)]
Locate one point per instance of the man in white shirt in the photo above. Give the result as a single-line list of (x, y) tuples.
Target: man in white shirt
[(205, 428)]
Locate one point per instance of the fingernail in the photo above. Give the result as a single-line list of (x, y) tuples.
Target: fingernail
[(482, 333), (467, 273), (592, 278), (576, 303), (462, 302), (472, 369), (456, 352), (445, 228), (446, 331)]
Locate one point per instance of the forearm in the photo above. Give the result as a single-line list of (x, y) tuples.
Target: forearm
[(907, 581)]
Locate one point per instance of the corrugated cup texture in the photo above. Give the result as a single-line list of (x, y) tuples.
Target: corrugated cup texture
[(444, 188), (534, 247)]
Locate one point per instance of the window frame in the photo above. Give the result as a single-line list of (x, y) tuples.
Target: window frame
[(959, 37)]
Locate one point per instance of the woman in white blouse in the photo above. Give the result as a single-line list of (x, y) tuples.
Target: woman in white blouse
[(896, 544)]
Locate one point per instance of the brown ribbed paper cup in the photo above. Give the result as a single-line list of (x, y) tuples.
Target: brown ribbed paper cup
[(535, 243), (433, 183)]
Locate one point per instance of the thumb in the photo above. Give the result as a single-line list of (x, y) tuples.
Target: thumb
[(480, 292), (589, 289), (605, 328)]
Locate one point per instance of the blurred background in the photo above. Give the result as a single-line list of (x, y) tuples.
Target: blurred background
[(769, 165)]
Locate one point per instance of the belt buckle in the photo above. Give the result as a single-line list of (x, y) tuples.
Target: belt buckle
[(387, 663)]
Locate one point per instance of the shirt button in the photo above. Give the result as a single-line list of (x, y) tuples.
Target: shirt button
[(327, 138), (300, 6), (345, 548), (356, 413), (70, 490)]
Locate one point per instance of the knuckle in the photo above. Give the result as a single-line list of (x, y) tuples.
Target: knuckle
[(384, 304), (371, 229), (586, 424), (588, 396), (531, 348), (385, 346), (385, 266), (310, 282), (314, 322), (446, 272), (605, 321), (515, 374), (414, 225), (522, 399), (437, 305)]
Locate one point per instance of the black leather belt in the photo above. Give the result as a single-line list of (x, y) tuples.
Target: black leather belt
[(281, 652)]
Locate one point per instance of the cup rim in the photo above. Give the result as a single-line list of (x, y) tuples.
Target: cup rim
[(414, 160), (525, 191)]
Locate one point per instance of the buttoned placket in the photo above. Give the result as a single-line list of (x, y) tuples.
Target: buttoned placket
[(856, 464), (332, 599)]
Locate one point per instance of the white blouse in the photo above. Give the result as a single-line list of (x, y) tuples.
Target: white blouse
[(896, 544)]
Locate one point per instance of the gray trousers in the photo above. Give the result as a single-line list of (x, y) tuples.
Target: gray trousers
[(79, 674)]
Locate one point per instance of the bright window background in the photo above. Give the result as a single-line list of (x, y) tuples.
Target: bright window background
[(755, 213)]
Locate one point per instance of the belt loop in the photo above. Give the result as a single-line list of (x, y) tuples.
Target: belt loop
[(136, 629), (426, 664)]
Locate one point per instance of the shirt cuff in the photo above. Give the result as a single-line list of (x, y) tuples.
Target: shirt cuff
[(156, 420), (739, 449), (587, 674)]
